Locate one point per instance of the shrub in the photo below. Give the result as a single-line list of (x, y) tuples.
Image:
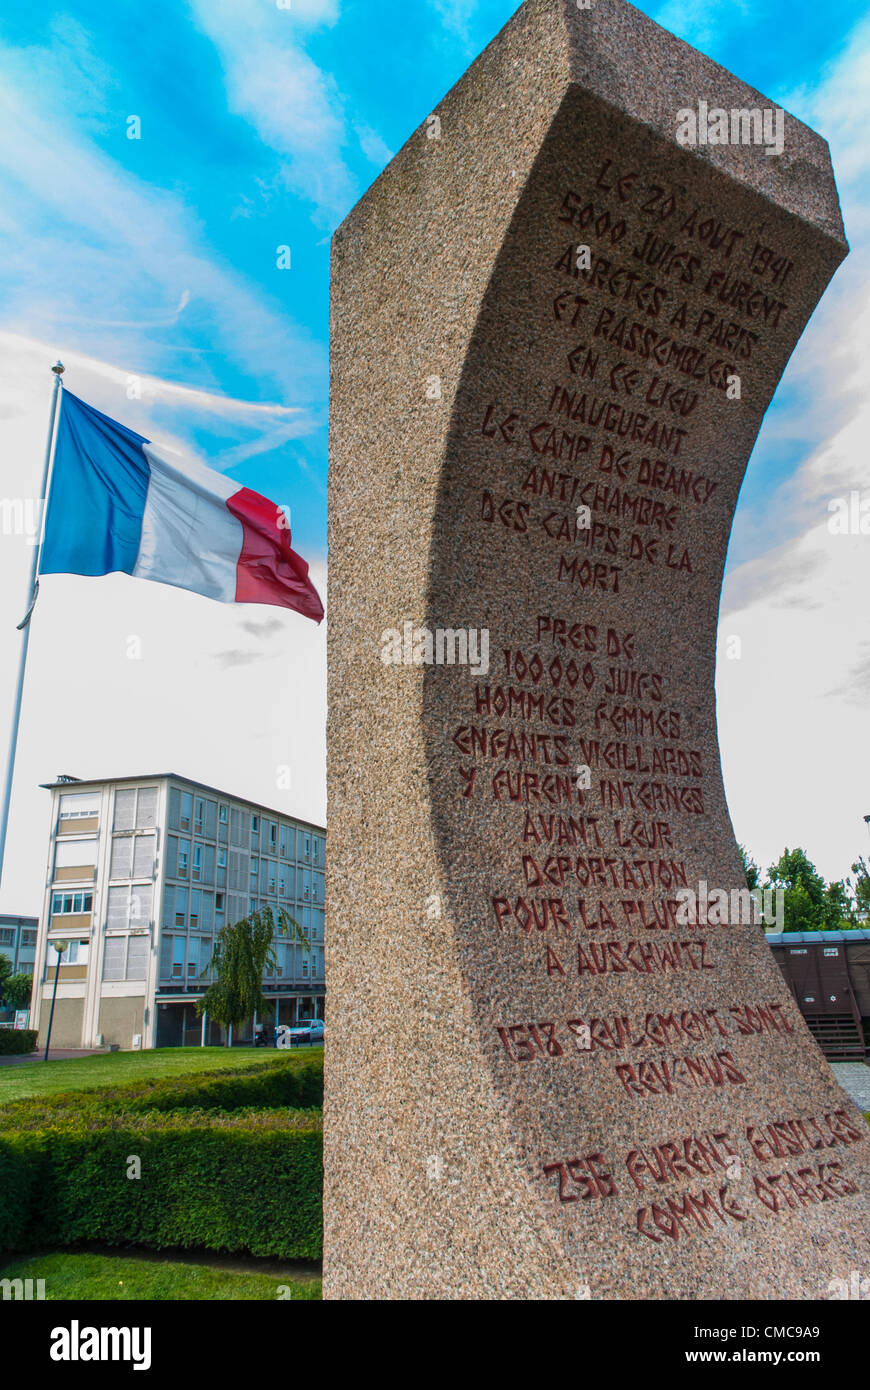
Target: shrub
[(248, 1181), (226, 1163), (14, 1041), (20, 1176), (292, 1081)]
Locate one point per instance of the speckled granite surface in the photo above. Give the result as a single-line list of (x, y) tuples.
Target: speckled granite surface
[(541, 1082)]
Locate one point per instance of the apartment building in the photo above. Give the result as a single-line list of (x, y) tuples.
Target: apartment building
[(142, 873), (18, 942)]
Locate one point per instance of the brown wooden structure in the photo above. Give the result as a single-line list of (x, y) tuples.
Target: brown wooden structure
[(829, 976)]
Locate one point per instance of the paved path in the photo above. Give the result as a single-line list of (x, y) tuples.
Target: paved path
[(854, 1077), (57, 1054)]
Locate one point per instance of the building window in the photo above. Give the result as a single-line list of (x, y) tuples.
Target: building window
[(135, 808), (273, 834), (183, 858), (7, 936), (125, 958), (222, 858), (255, 825), (200, 814), (307, 846), (76, 854), (223, 813), (316, 849), (28, 938), (197, 862), (65, 904), (133, 856), (80, 804), (252, 905), (76, 953), (219, 902), (186, 810), (129, 907)]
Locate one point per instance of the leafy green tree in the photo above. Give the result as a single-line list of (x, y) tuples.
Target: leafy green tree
[(18, 990), (800, 911), (811, 904), (750, 868), (861, 870), (243, 954), (5, 976), (839, 907)]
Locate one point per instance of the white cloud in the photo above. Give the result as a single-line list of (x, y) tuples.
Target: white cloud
[(699, 23), (293, 105), (793, 710), (374, 147), (93, 253), (310, 11), (456, 16)]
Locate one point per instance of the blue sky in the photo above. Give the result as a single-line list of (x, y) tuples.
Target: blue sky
[(260, 127)]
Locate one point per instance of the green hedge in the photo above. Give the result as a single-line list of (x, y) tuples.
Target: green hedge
[(245, 1182), (14, 1041), (295, 1082), (216, 1173)]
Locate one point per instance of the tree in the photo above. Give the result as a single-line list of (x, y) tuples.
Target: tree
[(243, 954), (861, 869), (5, 976), (18, 990), (811, 904), (750, 868)]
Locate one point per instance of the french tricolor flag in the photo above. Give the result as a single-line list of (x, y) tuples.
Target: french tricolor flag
[(118, 504)]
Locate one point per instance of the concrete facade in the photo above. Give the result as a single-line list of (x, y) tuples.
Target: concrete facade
[(142, 873)]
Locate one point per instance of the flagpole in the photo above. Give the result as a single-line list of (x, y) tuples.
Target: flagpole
[(24, 625)]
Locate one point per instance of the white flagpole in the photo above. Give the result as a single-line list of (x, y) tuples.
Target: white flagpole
[(24, 625)]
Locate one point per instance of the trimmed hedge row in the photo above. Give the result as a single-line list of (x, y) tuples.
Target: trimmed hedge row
[(251, 1181), (226, 1163), (15, 1041), (292, 1082)]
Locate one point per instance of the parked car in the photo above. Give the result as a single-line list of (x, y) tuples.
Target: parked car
[(310, 1030)]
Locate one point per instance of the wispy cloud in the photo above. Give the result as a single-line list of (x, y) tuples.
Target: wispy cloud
[(294, 106), (84, 238), (699, 23), (456, 16), (792, 710), (373, 146)]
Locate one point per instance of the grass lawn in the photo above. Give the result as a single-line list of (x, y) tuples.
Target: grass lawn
[(38, 1078), (82, 1275)]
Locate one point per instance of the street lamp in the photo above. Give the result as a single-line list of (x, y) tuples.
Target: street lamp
[(60, 947)]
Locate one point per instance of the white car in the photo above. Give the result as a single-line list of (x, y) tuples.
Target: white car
[(308, 1031)]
